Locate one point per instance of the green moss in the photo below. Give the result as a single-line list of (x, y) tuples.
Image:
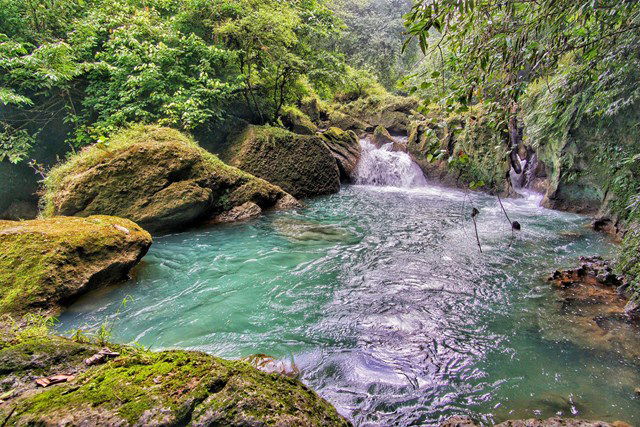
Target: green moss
[(143, 387), (43, 262), (628, 262), (297, 121), (591, 156), (156, 176), (461, 149), (301, 164)]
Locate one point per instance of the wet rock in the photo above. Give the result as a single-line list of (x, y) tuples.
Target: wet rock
[(464, 421), (155, 176), (605, 225), (459, 421), (140, 387), (47, 262), (435, 141), (288, 202), (345, 147), (302, 165), (381, 136), (271, 365), (593, 309), (560, 422), (311, 232), (593, 277), (243, 212)]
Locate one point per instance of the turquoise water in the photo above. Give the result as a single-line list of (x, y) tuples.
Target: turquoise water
[(382, 299)]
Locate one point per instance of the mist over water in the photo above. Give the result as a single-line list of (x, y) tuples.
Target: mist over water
[(380, 296)]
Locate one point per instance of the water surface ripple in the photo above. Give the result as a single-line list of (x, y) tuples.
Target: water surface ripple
[(383, 300)]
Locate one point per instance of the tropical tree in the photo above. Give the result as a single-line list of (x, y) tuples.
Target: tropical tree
[(492, 49)]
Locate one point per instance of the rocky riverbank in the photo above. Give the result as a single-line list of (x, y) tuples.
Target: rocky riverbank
[(52, 380), (46, 263), (463, 421)]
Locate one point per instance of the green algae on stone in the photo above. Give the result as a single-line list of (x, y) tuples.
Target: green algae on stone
[(345, 147), (156, 176), (45, 262), (302, 165), (628, 262), (591, 158), (459, 149), (297, 121), (141, 387)]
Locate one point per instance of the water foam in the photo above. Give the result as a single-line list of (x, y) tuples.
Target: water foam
[(384, 167)]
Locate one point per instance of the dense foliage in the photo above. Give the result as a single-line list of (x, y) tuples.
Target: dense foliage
[(373, 37), (102, 64), (489, 51)]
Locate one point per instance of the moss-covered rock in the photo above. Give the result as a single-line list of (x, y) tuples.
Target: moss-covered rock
[(381, 136), (345, 121), (461, 149), (298, 122), (155, 176), (394, 113), (590, 156), (345, 147), (45, 263), (140, 387), (302, 165)]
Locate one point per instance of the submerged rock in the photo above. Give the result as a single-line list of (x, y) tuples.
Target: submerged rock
[(308, 231), (345, 147), (593, 309), (155, 176), (302, 165), (243, 212), (45, 263), (139, 387), (464, 421), (271, 365)]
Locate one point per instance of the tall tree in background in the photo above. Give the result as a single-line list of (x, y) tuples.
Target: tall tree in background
[(373, 37)]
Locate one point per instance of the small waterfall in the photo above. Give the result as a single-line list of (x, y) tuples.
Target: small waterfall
[(518, 180), (384, 167)]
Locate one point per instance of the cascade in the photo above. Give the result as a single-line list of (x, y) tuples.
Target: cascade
[(385, 167)]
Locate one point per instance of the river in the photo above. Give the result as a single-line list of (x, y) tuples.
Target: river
[(381, 297)]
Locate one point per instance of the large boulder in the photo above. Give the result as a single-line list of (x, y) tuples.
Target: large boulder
[(302, 165), (346, 149), (45, 263), (462, 150), (394, 113), (155, 176), (139, 387)]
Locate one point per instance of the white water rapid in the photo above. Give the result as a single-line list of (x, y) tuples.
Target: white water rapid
[(384, 167)]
